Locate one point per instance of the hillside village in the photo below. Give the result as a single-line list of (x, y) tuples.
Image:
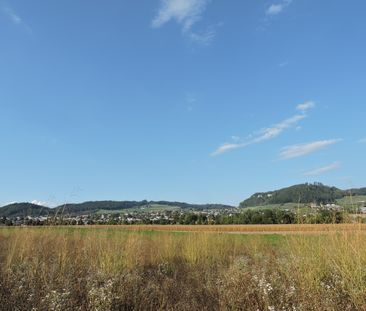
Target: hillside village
[(215, 216), (321, 204)]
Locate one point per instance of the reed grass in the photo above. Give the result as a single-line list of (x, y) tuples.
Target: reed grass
[(114, 268)]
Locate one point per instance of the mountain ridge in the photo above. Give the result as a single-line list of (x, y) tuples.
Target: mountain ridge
[(300, 193), (24, 209)]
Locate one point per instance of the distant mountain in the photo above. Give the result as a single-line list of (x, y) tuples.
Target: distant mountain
[(303, 193), (95, 206), (29, 209), (24, 209)]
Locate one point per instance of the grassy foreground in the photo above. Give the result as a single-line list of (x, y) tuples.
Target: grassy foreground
[(116, 268)]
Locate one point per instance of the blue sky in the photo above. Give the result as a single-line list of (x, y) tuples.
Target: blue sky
[(188, 100)]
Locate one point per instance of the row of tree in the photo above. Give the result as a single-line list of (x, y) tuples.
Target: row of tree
[(267, 216)]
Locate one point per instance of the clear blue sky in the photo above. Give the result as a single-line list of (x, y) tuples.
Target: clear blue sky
[(188, 100)]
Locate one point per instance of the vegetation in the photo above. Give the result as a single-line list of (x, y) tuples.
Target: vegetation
[(304, 193), (28, 209), (109, 268), (175, 217), (280, 199), (23, 209)]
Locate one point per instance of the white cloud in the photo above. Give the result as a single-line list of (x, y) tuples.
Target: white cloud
[(226, 147), (275, 9), (325, 169), (262, 135), (305, 106), (304, 149), (203, 38), (186, 13), (283, 64), (362, 141), (41, 203), (272, 132), (15, 18)]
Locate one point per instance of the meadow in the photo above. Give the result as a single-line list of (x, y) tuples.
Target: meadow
[(183, 268)]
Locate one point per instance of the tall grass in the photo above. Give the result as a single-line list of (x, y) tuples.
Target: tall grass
[(107, 268)]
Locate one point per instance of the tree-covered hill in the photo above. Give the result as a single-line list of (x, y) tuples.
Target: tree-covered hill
[(94, 206), (24, 209), (360, 191), (91, 207), (303, 193)]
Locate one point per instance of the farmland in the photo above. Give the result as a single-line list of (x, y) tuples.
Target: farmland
[(184, 267)]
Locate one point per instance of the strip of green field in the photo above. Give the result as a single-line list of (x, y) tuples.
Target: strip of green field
[(286, 206), (143, 209), (353, 200)]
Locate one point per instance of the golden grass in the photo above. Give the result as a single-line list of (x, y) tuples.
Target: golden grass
[(294, 228), (132, 268)]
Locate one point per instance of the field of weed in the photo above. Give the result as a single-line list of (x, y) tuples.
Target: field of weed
[(252, 229), (144, 268)]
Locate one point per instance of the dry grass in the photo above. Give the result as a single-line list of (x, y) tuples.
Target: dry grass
[(298, 228), (111, 268)]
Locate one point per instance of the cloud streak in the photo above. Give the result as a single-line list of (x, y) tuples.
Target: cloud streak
[(325, 169), (15, 18), (185, 13), (277, 8), (305, 149), (40, 203), (267, 133), (305, 106)]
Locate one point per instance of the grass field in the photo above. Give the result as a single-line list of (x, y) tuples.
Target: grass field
[(354, 200), (183, 268), (252, 229), (286, 206)]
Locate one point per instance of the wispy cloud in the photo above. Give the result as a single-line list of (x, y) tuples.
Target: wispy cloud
[(264, 134), (362, 141), (41, 203), (49, 203), (283, 64), (15, 18), (186, 13), (203, 38), (305, 106), (277, 8), (325, 169), (227, 147), (36, 202), (305, 149)]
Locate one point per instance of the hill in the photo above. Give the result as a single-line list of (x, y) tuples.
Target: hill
[(24, 209), (359, 192), (93, 207), (303, 193)]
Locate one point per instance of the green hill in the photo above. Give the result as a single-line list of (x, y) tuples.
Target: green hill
[(303, 193), (359, 192), (92, 207), (24, 209)]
